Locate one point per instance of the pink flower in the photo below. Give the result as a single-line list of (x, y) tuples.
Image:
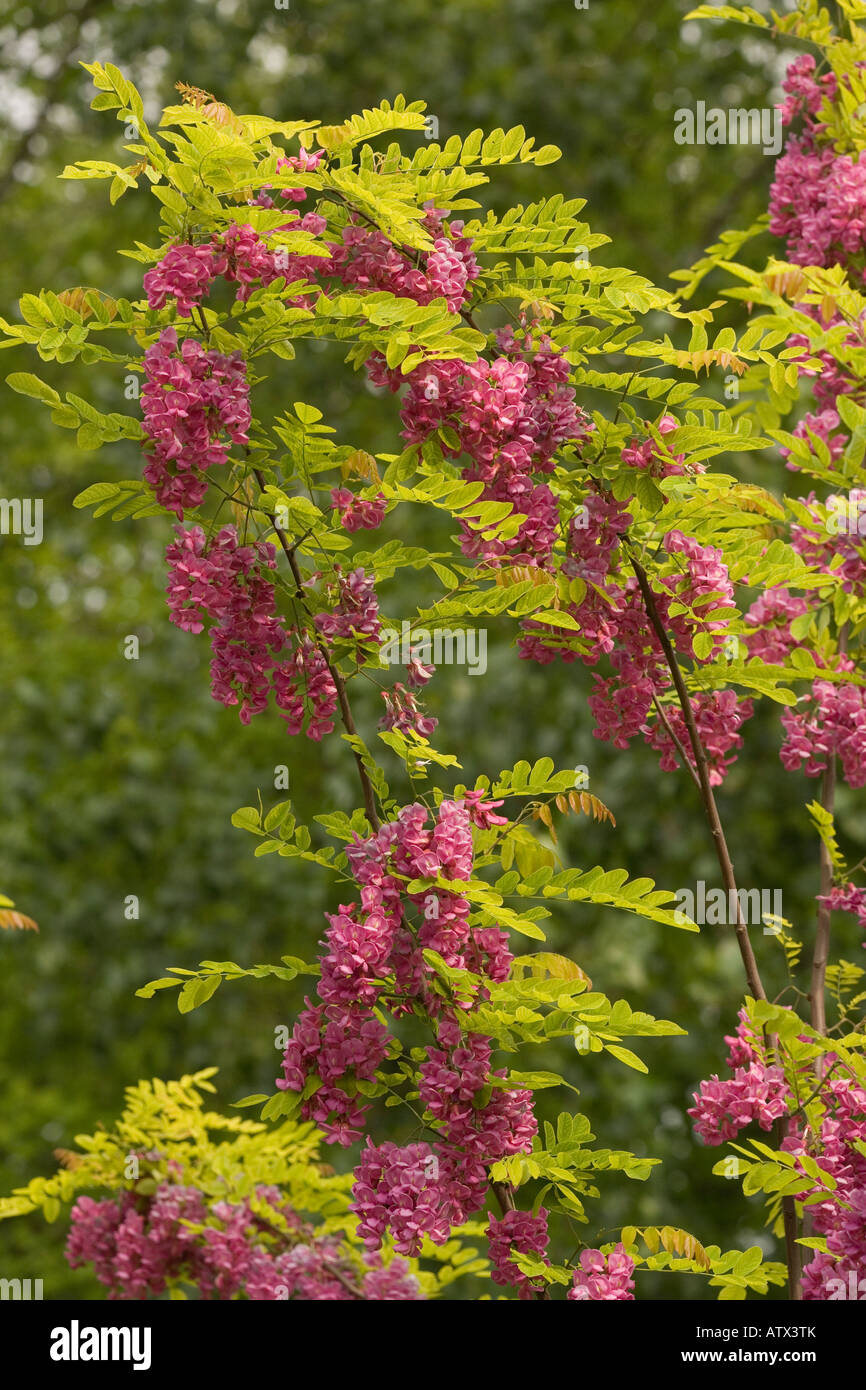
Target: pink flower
[(756, 1093), (357, 512), (195, 405), (603, 1279), (517, 1231)]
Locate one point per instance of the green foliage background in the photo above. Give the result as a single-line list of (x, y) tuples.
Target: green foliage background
[(119, 777)]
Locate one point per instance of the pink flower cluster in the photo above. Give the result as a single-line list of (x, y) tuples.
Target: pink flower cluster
[(755, 1094), (136, 1244), (603, 1279), (828, 723), (304, 690), (823, 547), (303, 162), (139, 1245), (402, 711), (621, 704), (771, 616), (253, 654), (593, 538), (396, 1190), (660, 464), (705, 585), (517, 1231), (847, 897), (744, 1045), (818, 202), (831, 380), (612, 621), (355, 616), (509, 415), (366, 259), (357, 512), (372, 957), (719, 716), (451, 1080), (195, 405), (186, 272), (806, 93), (225, 583), (841, 1215), (823, 425), (372, 953), (758, 1092)]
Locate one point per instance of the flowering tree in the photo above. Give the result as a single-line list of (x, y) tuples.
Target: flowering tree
[(581, 471), (255, 1210)]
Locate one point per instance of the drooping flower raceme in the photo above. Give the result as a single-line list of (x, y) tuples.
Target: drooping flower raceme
[(603, 1279), (139, 1246), (195, 405)]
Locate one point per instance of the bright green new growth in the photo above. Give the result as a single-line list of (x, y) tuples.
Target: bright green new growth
[(202, 167), (164, 1134)]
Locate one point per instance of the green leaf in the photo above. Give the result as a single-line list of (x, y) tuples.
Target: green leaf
[(147, 991), (197, 991), (624, 1054), (26, 384)]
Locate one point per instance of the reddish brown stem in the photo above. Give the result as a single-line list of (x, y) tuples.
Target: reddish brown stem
[(677, 742), (820, 956), (339, 683), (711, 812), (793, 1251), (817, 999), (504, 1194), (753, 976)]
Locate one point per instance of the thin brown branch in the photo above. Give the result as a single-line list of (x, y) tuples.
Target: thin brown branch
[(753, 976), (821, 953), (711, 812), (676, 740), (339, 683), (504, 1194)]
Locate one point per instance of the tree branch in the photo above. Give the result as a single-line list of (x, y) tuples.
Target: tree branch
[(711, 812), (675, 739), (339, 683), (820, 955), (789, 1211), (821, 952)]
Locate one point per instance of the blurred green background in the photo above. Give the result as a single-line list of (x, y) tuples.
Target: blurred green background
[(119, 777)]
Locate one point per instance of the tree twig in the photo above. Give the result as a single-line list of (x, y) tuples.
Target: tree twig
[(821, 952), (711, 812), (674, 737), (339, 683)]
